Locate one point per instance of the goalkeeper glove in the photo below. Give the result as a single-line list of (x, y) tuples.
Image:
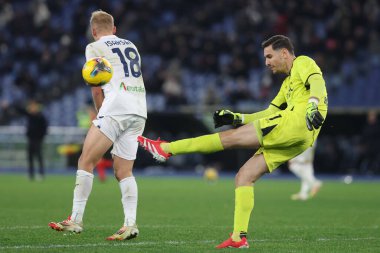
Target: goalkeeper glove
[(226, 117), (313, 116)]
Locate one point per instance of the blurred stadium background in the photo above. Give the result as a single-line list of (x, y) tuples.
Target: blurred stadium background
[(197, 56)]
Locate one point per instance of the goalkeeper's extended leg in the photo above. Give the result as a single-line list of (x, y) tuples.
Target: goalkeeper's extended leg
[(162, 150), (154, 147), (242, 137)]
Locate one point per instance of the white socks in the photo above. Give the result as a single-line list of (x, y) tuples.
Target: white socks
[(83, 187), (305, 172), (128, 188), (82, 190)]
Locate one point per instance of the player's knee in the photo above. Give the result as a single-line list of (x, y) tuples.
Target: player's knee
[(242, 179), (246, 178), (231, 138), (86, 162), (120, 174), (117, 175)]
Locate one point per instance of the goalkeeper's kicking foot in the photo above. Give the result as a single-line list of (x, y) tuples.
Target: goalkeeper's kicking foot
[(67, 225), (154, 147), (229, 243), (124, 233)]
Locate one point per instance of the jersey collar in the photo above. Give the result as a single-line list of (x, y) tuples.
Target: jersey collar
[(290, 71), (108, 37)]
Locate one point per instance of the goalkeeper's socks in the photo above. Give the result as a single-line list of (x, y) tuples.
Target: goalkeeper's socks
[(83, 187), (243, 207), (128, 188), (165, 147), (237, 236), (202, 144)]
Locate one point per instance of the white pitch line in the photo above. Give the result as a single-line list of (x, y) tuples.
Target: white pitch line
[(348, 239), (105, 226), (317, 239), (157, 226), (101, 244), (122, 244), (21, 227)]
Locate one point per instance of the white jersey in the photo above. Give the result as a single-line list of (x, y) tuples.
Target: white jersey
[(125, 93)]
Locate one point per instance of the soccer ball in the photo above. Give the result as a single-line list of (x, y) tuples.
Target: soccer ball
[(210, 174), (97, 71)]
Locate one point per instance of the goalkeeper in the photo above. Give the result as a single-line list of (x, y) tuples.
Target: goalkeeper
[(285, 129)]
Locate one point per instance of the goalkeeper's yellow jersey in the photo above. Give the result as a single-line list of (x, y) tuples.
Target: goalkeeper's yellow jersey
[(295, 89), (284, 134)]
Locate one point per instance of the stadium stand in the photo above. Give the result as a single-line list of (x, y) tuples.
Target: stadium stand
[(195, 48), (194, 53)]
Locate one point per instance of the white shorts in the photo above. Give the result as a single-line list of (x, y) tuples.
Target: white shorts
[(122, 131)]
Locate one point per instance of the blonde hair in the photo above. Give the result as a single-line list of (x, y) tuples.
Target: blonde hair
[(101, 21)]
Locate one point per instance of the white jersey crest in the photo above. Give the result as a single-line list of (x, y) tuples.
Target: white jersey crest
[(125, 93)]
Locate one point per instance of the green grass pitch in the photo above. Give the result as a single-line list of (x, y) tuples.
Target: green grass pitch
[(182, 214)]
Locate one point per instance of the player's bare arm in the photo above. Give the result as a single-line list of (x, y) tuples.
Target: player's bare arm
[(97, 96)]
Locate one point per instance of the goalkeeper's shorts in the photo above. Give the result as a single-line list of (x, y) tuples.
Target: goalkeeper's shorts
[(284, 135)]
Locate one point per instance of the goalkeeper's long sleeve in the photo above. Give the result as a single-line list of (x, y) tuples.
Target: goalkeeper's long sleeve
[(317, 87), (247, 118)]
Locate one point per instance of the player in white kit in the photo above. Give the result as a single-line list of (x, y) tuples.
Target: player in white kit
[(121, 117), (302, 167)]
